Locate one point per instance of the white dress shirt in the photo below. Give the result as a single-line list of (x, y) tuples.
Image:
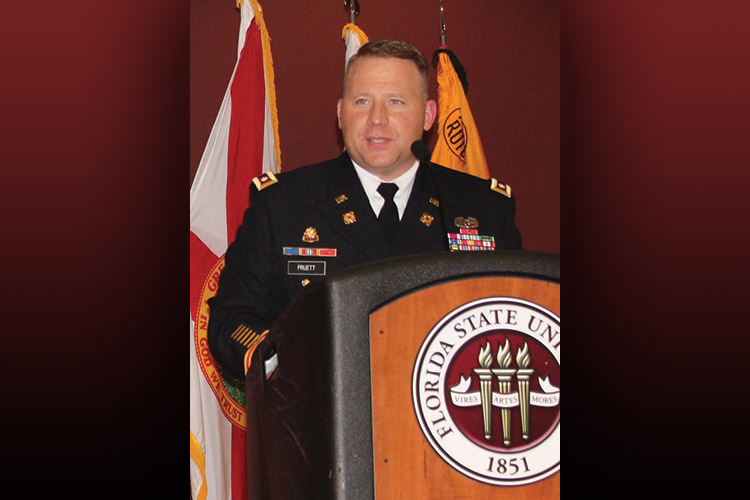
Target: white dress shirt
[(371, 182)]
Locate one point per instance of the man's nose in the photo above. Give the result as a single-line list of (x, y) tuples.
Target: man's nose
[(378, 114)]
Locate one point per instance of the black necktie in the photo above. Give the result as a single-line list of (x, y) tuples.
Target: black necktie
[(389, 213)]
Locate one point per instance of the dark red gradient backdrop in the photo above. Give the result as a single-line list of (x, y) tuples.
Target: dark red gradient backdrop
[(656, 118), (94, 111)]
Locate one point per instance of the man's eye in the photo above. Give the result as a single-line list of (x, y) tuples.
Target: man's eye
[(396, 101), (362, 101)]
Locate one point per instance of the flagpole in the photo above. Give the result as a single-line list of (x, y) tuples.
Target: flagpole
[(353, 37), (352, 7), (458, 145), (442, 26)]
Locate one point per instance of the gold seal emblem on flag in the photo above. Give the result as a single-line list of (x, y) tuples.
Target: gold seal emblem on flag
[(232, 398), (455, 134)]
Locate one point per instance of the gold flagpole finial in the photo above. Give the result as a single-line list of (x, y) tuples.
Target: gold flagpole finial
[(352, 7)]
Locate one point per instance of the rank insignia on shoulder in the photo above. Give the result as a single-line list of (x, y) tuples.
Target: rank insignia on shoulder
[(435, 201), (341, 199), (310, 235), (501, 188), (263, 181)]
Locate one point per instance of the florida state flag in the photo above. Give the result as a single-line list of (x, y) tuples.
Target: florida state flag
[(243, 144)]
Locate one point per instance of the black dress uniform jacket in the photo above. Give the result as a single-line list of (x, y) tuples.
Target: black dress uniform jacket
[(326, 202)]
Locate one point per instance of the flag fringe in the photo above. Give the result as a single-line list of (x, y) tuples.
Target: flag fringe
[(196, 454), (270, 76), (353, 27)]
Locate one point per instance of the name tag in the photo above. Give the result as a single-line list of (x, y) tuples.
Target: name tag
[(307, 267)]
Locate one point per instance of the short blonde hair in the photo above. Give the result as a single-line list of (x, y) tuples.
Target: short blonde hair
[(395, 49)]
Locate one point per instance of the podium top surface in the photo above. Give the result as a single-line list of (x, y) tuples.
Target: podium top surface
[(370, 285)]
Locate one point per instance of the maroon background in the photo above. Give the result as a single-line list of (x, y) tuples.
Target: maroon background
[(94, 203), (655, 160), (94, 208), (510, 49)]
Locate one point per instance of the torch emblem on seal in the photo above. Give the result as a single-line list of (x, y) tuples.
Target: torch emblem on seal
[(505, 398)]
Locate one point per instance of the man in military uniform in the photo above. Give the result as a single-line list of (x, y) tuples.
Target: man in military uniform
[(376, 200)]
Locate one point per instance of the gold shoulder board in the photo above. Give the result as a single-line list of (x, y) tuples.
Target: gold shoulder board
[(501, 188), (263, 181)]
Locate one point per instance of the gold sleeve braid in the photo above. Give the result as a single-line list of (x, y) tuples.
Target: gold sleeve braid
[(250, 340), (244, 335)]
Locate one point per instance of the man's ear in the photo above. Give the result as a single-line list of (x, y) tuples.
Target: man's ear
[(430, 113), (338, 110)]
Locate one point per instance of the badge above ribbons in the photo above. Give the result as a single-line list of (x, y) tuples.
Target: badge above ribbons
[(468, 238)]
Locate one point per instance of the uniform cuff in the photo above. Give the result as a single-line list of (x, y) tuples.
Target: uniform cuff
[(251, 350)]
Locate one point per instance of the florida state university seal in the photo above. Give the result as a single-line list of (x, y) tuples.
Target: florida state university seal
[(486, 390)]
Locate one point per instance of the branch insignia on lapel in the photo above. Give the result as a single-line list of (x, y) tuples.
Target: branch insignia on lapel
[(349, 218), (426, 219)]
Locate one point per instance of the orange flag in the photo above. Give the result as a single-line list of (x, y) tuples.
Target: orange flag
[(458, 145)]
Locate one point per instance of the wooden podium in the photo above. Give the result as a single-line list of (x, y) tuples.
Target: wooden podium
[(430, 377)]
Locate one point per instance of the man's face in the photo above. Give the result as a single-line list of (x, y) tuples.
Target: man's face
[(382, 113)]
